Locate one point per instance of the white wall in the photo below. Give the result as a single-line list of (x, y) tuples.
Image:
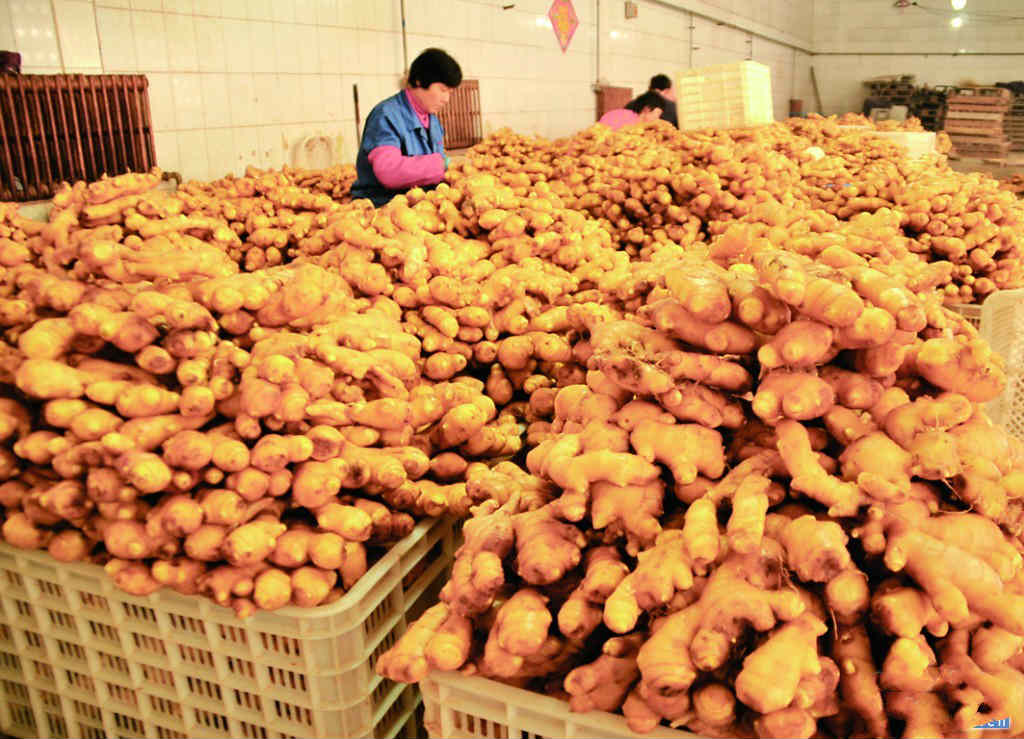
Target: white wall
[(237, 82), (854, 41)]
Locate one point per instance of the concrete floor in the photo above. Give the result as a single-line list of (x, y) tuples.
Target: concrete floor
[(1014, 164)]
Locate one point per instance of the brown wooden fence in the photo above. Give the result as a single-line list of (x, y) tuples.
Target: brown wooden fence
[(56, 128)]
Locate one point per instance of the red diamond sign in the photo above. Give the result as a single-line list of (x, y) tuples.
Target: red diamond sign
[(564, 21)]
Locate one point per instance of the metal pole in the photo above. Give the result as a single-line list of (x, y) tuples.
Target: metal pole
[(405, 44)]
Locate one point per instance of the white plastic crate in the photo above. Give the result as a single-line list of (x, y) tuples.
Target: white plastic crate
[(1000, 321), (916, 144), (461, 707), (724, 96), (81, 658)]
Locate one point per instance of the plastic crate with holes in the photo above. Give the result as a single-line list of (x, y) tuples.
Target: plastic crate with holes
[(733, 95), (460, 707), (1000, 321), (81, 658)]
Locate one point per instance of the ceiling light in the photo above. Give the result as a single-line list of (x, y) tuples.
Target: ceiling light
[(958, 4), (957, 21)]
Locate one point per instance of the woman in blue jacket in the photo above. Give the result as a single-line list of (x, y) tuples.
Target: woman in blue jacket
[(403, 141)]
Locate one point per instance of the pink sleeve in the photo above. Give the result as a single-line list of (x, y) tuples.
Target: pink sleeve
[(616, 119), (396, 172)]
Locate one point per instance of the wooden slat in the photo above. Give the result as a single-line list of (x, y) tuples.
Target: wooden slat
[(44, 170), (461, 117), (56, 128), (7, 190)]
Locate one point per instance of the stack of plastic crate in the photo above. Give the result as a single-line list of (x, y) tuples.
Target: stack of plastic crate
[(1000, 321), (723, 96), (81, 658)]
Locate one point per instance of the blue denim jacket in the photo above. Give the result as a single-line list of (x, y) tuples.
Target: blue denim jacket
[(393, 122)]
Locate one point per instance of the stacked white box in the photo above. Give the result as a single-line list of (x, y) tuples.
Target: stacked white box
[(722, 96)]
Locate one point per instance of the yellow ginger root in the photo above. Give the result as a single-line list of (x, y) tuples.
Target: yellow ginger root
[(968, 368), (348, 521), (905, 611), (582, 612), (859, 678), (478, 573), (919, 427), (800, 344), (999, 687), (911, 665), (815, 550), (504, 482), (546, 548), (960, 560), (520, 630), (809, 477), (20, 531), (132, 577), (660, 573), (253, 542), (852, 389), (879, 466), (925, 714), (724, 337), (686, 449), (563, 463), (440, 639), (70, 545), (311, 585), (793, 395), (272, 589), (792, 279), (700, 290), (603, 684), (181, 573), (740, 591), (771, 674)]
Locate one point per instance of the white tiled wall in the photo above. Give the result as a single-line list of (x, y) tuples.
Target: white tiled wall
[(855, 39), (237, 82)]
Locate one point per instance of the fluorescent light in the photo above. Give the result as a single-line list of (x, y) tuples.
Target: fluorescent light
[(958, 4), (957, 21)]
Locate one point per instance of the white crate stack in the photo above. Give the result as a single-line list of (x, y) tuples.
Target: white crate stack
[(1000, 321), (462, 707), (724, 96), (81, 658)]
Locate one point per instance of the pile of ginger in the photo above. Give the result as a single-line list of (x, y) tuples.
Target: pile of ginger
[(707, 419), (775, 507)]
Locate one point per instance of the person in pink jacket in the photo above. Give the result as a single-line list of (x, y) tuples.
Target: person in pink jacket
[(641, 109)]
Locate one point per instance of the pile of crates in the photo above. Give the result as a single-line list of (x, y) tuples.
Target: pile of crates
[(893, 89), (974, 121), (81, 658), (736, 95), (928, 104), (1014, 126)]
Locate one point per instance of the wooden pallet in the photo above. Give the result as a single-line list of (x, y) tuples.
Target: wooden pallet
[(972, 115), (979, 94), (967, 130)]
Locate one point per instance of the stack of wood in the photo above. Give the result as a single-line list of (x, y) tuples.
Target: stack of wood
[(893, 89), (974, 121), (1015, 124), (928, 104)]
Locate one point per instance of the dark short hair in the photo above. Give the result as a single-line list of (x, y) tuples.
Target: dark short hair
[(434, 65), (649, 99), (660, 82)]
